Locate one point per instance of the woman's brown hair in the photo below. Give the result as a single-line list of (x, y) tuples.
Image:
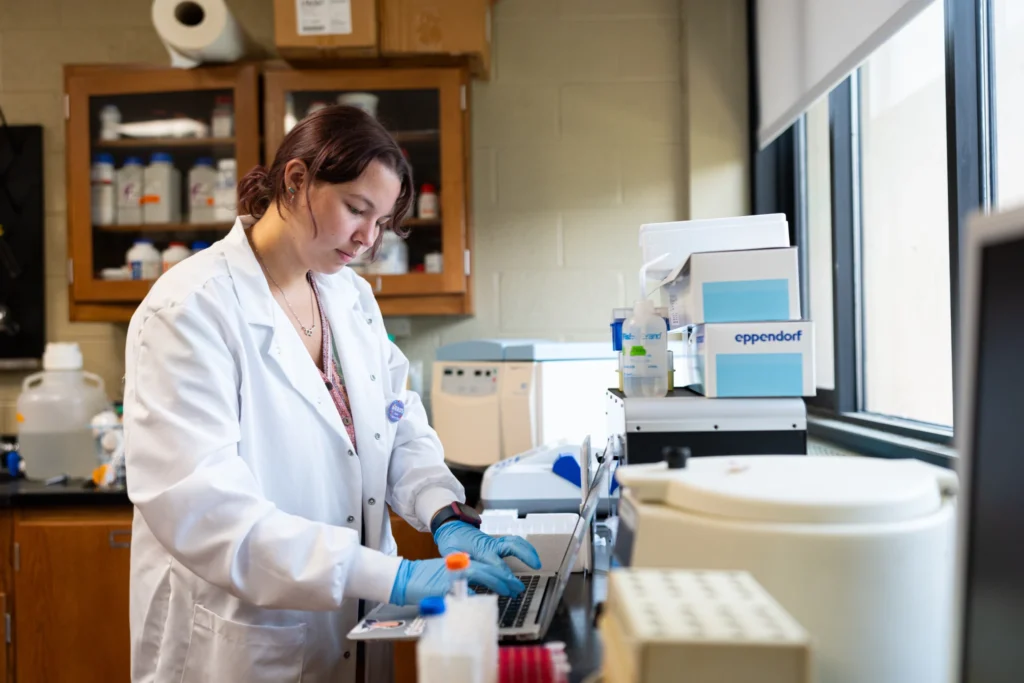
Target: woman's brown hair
[(336, 144)]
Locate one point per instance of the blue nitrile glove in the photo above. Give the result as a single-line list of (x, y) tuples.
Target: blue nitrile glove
[(459, 536), (418, 579)]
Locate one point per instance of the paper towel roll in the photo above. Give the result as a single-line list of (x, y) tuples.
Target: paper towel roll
[(200, 31)]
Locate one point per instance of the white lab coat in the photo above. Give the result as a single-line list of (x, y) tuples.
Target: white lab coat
[(246, 562)]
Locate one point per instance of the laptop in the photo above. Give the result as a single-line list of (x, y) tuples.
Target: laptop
[(528, 615)]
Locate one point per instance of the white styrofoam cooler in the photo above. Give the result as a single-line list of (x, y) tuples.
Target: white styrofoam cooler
[(679, 239), (858, 550)]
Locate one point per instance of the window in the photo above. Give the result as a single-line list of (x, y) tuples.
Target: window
[(1008, 70), (906, 343), (819, 235), (879, 181)]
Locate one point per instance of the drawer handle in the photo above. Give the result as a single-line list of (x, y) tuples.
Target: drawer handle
[(117, 538)]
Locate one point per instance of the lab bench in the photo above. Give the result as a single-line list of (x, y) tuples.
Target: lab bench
[(64, 577)]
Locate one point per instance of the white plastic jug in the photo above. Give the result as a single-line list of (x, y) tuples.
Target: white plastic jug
[(54, 411)]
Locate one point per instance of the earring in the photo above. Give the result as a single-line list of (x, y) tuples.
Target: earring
[(291, 190)]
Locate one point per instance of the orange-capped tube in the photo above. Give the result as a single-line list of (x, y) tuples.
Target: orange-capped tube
[(457, 564), (457, 561)]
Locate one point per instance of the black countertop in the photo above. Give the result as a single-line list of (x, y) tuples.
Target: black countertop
[(574, 624), (36, 493)]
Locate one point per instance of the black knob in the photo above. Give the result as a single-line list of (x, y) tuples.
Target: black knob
[(675, 456)]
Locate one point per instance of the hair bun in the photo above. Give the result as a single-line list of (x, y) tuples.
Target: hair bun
[(255, 192)]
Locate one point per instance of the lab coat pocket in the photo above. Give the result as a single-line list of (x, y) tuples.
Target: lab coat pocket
[(223, 651)]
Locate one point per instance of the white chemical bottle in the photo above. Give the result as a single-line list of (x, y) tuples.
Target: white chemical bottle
[(222, 124), (202, 183), (104, 194), (427, 206), (129, 192), (110, 123), (55, 410), (145, 261), (175, 253), (645, 351), (161, 201), (226, 191)]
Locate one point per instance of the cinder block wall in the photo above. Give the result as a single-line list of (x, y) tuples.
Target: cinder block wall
[(601, 115)]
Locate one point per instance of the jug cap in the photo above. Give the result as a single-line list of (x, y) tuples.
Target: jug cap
[(62, 356)]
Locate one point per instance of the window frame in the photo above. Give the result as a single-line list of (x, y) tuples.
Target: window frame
[(779, 184)]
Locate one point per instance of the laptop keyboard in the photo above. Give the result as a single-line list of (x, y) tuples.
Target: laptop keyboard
[(512, 611)]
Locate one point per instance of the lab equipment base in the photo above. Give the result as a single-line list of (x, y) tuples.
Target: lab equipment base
[(645, 447), (707, 426)]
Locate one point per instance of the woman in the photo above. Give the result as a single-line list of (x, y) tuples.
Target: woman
[(267, 424)]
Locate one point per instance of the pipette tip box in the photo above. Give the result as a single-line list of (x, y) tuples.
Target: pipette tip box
[(683, 626)]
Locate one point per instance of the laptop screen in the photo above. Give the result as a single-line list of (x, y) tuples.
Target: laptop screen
[(994, 581), (583, 523)]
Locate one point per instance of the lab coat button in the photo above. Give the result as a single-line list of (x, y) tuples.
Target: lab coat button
[(373, 501), (351, 452), (351, 519), (377, 436), (369, 321), (373, 378)]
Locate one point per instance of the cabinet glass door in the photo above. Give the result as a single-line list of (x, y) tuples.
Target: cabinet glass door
[(423, 110), (154, 160)]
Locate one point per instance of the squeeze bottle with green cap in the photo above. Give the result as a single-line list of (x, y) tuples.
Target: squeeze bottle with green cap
[(645, 353)]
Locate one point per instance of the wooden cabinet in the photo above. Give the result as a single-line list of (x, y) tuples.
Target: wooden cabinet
[(325, 30), (427, 112), (6, 597), (428, 28), (98, 243), (71, 577)]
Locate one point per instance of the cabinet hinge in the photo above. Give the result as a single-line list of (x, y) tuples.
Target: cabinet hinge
[(71, 271), (17, 556), (67, 107), (462, 97), (467, 261)]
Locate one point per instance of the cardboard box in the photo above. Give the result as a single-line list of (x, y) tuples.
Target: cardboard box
[(751, 285), (310, 31), (430, 28), (754, 360)]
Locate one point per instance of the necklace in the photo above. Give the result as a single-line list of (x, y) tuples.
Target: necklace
[(308, 331)]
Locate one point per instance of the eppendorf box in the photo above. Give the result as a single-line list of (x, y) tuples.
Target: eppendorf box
[(754, 360)]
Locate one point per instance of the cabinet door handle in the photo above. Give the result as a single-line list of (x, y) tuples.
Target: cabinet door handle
[(121, 538)]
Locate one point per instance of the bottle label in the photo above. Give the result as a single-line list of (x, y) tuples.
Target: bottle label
[(129, 194), (637, 351)]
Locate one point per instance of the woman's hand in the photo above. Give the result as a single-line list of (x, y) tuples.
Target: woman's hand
[(458, 536), (418, 579)]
